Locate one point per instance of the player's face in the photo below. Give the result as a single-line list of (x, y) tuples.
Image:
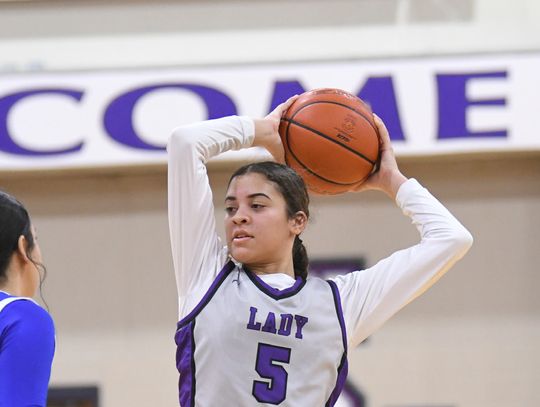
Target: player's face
[(259, 233)]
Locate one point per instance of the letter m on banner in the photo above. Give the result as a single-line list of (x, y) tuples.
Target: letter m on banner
[(378, 92)]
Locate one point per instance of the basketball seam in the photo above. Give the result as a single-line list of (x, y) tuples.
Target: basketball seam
[(291, 121), (326, 179), (339, 104)]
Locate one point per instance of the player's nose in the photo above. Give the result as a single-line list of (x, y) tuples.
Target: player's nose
[(240, 217)]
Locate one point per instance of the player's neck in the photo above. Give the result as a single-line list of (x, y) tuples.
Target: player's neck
[(13, 284), (10, 289), (283, 267)]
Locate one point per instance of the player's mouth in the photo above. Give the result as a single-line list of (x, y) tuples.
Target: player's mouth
[(241, 236)]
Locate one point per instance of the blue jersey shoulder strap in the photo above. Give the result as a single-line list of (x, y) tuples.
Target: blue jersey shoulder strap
[(9, 300)]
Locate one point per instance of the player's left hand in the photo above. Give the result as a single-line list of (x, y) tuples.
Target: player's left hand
[(266, 130), (388, 178)]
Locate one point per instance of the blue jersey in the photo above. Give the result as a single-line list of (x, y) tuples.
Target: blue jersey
[(26, 351)]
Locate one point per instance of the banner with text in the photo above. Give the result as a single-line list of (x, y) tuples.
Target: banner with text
[(435, 105)]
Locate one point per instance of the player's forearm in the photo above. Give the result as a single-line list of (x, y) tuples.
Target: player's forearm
[(372, 296)]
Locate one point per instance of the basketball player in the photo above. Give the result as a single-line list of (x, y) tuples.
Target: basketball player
[(254, 329), (26, 330)]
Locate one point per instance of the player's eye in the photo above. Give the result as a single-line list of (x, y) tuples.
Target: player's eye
[(257, 206), (230, 210)]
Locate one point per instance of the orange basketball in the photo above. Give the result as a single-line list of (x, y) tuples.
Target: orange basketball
[(330, 139)]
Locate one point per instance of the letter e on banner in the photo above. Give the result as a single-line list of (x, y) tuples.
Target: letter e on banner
[(454, 103)]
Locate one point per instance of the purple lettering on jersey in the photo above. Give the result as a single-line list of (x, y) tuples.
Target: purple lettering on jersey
[(270, 324), (285, 325), (273, 390), (251, 324), (300, 322)]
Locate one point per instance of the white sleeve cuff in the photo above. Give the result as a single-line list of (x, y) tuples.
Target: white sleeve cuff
[(248, 129), (406, 189)]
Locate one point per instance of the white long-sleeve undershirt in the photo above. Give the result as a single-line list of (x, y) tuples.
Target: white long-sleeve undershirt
[(369, 297)]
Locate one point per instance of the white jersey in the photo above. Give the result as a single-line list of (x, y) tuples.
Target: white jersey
[(247, 344), (368, 297)]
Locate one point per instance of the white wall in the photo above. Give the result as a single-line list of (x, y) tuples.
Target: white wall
[(96, 35)]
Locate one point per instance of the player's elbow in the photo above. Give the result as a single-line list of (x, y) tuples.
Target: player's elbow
[(181, 139), (461, 241)]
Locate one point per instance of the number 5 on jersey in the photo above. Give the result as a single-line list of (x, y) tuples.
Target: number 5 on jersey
[(275, 391)]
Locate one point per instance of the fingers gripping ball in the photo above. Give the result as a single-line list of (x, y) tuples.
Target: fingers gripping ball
[(330, 139)]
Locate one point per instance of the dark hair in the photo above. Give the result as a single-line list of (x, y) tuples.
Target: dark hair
[(14, 223), (294, 191)]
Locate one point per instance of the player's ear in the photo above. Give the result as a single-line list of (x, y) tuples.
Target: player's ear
[(298, 222), (22, 249)]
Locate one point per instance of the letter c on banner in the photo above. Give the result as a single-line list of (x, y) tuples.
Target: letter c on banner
[(118, 119), (7, 144)]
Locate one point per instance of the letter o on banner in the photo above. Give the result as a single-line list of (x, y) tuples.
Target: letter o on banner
[(118, 118)]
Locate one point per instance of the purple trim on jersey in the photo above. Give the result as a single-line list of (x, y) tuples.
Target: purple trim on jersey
[(339, 310), (227, 268), (185, 363), (275, 293), (343, 368), (343, 371), (185, 353)]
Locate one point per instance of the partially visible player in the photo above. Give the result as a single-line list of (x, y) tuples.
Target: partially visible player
[(254, 328), (27, 340)]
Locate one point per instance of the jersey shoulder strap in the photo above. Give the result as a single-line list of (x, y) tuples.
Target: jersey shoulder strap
[(9, 300), (220, 278)]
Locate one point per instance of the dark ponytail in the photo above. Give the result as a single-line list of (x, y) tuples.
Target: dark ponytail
[(300, 258), (14, 223), (294, 191)]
